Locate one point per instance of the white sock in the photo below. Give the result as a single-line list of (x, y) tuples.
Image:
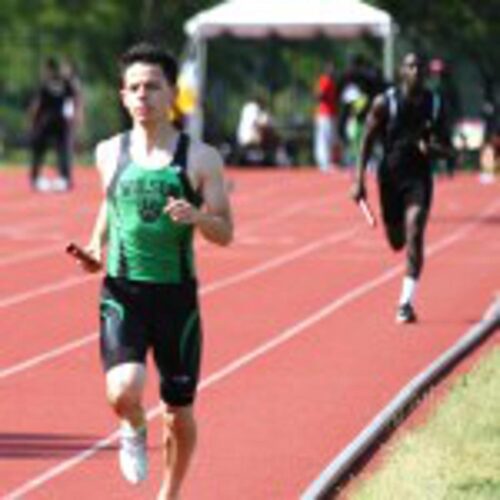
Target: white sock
[(407, 290), (128, 428)]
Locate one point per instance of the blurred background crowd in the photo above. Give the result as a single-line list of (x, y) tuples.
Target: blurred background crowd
[(272, 84)]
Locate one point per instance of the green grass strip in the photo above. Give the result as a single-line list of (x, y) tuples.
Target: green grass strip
[(455, 455)]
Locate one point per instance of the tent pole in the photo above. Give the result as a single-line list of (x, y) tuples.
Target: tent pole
[(196, 121), (389, 53)]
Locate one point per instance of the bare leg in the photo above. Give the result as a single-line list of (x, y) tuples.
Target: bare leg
[(179, 442), (125, 385), (416, 218)]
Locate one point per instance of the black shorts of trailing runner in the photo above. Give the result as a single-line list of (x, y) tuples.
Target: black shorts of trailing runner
[(403, 181), (138, 317)]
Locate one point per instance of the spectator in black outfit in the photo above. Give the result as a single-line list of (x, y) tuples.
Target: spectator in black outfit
[(50, 127)]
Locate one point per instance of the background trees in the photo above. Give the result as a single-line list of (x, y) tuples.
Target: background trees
[(465, 33), (88, 33), (91, 33)]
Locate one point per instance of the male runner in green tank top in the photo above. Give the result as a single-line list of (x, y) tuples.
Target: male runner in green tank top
[(155, 181)]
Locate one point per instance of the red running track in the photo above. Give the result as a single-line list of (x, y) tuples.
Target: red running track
[(301, 350)]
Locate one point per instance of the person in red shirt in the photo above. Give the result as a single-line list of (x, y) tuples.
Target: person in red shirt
[(325, 119)]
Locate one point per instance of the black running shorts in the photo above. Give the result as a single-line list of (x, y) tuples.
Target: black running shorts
[(398, 192), (136, 317)]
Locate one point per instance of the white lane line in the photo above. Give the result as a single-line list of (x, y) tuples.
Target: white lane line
[(17, 233), (31, 254), (287, 212), (209, 288), (342, 462), (36, 238), (281, 260), (246, 359), (47, 356), (208, 381), (31, 225), (14, 300), (62, 285)]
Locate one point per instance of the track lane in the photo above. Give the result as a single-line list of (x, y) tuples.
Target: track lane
[(218, 315), (39, 297), (261, 412)]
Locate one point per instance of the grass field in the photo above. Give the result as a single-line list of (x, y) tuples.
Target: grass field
[(455, 455)]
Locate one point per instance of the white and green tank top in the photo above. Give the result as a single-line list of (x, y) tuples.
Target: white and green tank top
[(143, 242)]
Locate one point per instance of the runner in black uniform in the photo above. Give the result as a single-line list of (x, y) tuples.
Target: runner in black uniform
[(407, 120)]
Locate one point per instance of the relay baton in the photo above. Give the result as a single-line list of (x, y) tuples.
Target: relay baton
[(80, 254), (367, 212)]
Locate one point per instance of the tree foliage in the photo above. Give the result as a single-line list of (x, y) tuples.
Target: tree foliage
[(464, 29), (89, 33), (92, 33)]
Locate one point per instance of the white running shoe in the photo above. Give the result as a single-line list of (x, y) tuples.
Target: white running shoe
[(60, 185), (42, 184), (406, 314), (133, 454)]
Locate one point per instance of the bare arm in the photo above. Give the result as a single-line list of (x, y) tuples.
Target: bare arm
[(90, 257), (105, 162), (98, 239), (98, 236), (373, 127), (215, 220)]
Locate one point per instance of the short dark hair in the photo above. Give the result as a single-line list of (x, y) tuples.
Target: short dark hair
[(419, 56), (52, 64), (149, 53)]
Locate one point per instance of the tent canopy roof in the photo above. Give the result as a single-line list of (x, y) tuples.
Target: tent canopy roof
[(290, 19)]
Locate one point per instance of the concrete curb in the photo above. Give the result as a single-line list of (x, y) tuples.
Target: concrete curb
[(341, 464)]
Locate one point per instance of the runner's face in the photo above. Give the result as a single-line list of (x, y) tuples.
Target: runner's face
[(412, 71), (146, 93)]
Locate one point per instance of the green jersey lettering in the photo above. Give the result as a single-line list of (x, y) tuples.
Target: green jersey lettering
[(144, 244)]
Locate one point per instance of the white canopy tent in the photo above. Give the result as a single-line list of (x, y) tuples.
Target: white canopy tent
[(295, 19)]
